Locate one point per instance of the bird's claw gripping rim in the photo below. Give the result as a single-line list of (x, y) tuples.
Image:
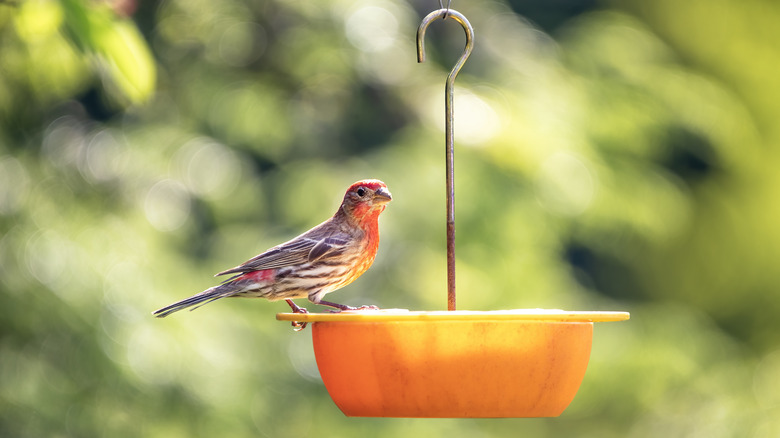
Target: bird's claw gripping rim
[(364, 307), (297, 325)]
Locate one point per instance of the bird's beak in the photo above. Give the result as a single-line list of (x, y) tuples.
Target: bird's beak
[(382, 196)]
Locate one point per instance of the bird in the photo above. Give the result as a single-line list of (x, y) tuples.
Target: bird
[(326, 258)]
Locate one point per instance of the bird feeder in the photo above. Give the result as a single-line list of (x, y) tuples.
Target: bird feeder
[(454, 363)]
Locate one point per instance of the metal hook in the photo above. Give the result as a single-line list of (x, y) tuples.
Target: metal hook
[(449, 92), (441, 5)]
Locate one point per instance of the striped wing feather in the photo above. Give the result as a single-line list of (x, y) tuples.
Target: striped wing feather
[(295, 252)]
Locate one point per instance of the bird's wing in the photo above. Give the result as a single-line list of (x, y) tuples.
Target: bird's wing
[(328, 247), (294, 252)]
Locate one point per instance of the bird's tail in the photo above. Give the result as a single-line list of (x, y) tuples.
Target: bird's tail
[(203, 298)]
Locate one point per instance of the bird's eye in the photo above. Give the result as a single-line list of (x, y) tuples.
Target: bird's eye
[(361, 192)]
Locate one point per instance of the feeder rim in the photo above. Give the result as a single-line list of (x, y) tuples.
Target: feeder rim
[(399, 315)]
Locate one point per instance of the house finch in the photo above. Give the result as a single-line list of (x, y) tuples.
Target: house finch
[(321, 260)]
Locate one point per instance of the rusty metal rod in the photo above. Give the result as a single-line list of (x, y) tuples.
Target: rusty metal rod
[(449, 92)]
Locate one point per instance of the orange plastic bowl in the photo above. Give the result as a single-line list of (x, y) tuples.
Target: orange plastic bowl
[(396, 363)]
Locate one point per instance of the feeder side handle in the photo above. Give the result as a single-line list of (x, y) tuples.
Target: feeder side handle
[(449, 92)]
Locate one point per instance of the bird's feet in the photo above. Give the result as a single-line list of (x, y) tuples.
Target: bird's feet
[(297, 325), (353, 308), (341, 307), (366, 307)]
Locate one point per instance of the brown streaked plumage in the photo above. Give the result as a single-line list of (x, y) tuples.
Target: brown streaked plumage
[(321, 260)]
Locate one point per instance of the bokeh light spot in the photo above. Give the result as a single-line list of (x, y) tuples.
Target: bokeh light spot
[(301, 353), (47, 256), (242, 43), (167, 205), (372, 28), (477, 121), (210, 169), (103, 160), (153, 355), (64, 141), (565, 185), (14, 184)]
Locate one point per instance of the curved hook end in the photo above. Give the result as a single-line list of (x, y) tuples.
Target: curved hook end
[(430, 18), (444, 14)]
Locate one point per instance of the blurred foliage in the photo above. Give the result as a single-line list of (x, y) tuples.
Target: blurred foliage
[(610, 156)]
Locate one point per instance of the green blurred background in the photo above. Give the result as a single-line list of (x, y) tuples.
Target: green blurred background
[(609, 156)]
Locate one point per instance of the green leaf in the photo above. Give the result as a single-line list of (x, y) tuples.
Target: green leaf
[(121, 55)]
